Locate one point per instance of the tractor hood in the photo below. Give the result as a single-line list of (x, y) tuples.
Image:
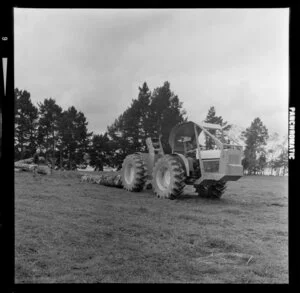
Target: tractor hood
[(182, 131)]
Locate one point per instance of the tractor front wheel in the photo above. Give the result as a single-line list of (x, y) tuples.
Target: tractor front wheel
[(134, 173), (168, 177)]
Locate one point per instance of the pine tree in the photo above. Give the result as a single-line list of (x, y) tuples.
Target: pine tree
[(120, 143), (82, 136), (150, 115), (50, 115), (165, 112), (128, 132), (100, 151), (255, 139), (73, 136), (130, 129), (212, 118), (26, 119), (262, 162)]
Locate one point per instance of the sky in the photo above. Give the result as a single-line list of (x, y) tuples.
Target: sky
[(95, 59)]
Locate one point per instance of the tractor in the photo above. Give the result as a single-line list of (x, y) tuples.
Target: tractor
[(189, 163)]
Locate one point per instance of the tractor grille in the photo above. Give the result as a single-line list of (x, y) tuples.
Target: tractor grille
[(211, 166), (234, 159)]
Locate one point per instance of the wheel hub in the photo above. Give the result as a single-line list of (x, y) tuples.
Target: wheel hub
[(163, 178), (129, 173)]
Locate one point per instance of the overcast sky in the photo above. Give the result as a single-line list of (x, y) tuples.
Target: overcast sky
[(233, 59)]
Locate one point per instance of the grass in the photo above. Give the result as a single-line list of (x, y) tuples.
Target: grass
[(69, 232)]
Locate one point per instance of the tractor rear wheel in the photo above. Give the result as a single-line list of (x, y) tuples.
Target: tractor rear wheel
[(213, 190), (134, 173), (168, 177)]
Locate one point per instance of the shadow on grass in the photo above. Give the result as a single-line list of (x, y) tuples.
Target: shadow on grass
[(192, 198)]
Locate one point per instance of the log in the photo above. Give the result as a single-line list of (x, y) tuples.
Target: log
[(113, 180)]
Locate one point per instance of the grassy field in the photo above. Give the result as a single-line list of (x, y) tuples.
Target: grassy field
[(68, 232)]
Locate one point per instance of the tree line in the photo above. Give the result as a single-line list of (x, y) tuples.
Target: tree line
[(63, 136)]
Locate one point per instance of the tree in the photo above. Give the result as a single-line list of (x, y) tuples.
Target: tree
[(120, 141), (129, 130), (73, 136), (284, 156), (282, 161), (246, 164), (165, 112), (100, 151), (150, 115), (26, 119), (255, 138), (212, 118), (272, 150), (262, 163), (276, 147), (249, 162), (50, 115)]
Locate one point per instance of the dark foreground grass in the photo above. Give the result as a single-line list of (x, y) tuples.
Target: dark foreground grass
[(67, 231)]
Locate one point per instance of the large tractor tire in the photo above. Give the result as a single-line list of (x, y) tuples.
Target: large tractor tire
[(212, 190), (134, 173), (168, 177)]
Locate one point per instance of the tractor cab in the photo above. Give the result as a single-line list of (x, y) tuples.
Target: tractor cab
[(221, 161)]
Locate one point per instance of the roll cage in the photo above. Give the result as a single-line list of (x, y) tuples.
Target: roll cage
[(185, 136)]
